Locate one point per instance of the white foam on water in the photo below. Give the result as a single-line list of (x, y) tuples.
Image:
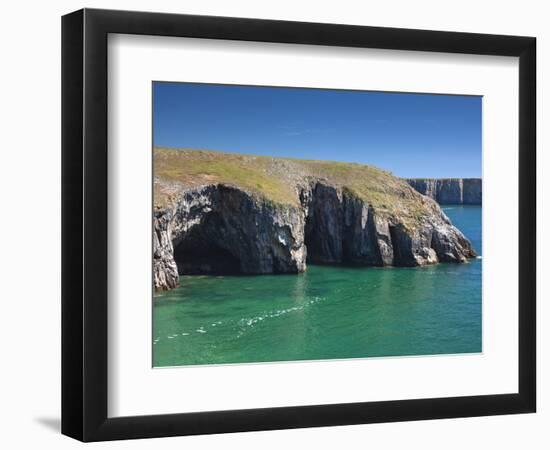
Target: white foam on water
[(250, 322)]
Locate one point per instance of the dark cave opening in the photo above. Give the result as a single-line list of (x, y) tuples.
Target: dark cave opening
[(402, 247), (200, 252), (318, 243), (324, 226)]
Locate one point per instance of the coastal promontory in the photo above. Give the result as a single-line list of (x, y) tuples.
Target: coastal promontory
[(226, 213), (449, 191)]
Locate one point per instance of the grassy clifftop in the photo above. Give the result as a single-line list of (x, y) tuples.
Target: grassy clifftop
[(278, 179)]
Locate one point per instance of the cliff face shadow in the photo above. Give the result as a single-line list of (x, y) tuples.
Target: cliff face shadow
[(323, 226), (201, 252)]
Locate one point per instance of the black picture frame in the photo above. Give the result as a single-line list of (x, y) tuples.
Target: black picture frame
[(84, 224)]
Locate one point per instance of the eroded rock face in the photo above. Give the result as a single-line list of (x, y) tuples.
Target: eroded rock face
[(449, 191), (343, 229), (472, 191), (219, 229), (222, 229), (165, 271)]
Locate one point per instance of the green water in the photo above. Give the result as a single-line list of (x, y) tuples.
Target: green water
[(327, 312)]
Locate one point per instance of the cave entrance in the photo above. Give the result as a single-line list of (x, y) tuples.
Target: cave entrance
[(323, 227), (201, 251), (316, 242)]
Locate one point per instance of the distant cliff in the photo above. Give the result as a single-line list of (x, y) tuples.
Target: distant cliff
[(449, 191), (224, 213)]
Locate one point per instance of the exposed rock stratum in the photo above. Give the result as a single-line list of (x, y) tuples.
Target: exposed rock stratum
[(449, 191), (223, 213)]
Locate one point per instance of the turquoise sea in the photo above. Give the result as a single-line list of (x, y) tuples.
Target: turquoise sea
[(325, 313)]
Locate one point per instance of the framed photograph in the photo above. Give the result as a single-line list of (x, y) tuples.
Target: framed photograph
[(273, 224)]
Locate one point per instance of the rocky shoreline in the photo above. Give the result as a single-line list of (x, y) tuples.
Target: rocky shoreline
[(219, 228)]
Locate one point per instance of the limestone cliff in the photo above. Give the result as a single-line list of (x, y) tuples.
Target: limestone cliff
[(220, 213), (449, 191)]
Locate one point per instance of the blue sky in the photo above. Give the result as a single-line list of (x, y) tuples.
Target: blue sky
[(412, 135)]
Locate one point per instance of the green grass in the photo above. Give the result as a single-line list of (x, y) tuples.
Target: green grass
[(197, 167), (276, 179)]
